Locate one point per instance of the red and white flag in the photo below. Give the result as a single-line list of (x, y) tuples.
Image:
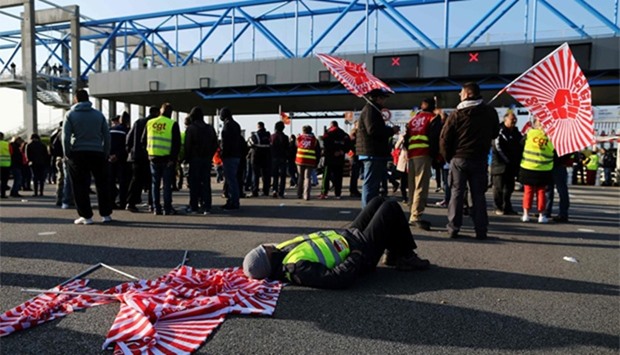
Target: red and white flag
[(48, 306), (353, 76), (177, 312), (557, 93)]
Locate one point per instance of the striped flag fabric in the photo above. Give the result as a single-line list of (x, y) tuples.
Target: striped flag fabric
[(176, 313), (556, 91), (353, 76), (49, 306)]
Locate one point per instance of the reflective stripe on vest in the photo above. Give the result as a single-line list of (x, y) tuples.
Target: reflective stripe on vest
[(5, 154), (306, 153), (328, 248), (538, 151), (419, 141), (417, 128), (159, 136)]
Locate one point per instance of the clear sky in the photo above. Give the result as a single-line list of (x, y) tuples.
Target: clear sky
[(429, 18)]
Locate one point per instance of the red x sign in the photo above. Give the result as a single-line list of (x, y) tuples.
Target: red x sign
[(396, 61), (473, 56)]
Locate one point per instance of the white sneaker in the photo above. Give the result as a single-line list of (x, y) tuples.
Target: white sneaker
[(543, 219), (525, 217), (106, 219), (83, 220), (65, 206)]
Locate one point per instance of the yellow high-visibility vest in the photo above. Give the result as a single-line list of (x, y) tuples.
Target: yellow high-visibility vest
[(159, 136), (328, 248), (538, 151), (5, 154), (593, 163)]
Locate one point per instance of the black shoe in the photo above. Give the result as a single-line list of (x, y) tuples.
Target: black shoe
[(158, 212), (395, 186), (454, 234), (170, 212), (356, 194), (412, 263), (511, 212), (560, 219), (16, 195), (132, 208), (421, 224), (481, 236), (254, 194)]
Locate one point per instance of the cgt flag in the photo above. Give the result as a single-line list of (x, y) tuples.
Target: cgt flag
[(557, 93)]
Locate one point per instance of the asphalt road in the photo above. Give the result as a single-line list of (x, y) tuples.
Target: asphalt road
[(514, 293)]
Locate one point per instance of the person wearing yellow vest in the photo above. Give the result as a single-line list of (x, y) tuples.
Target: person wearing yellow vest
[(419, 161), (306, 159), (535, 173), (591, 163), (5, 165), (335, 259), (163, 143)]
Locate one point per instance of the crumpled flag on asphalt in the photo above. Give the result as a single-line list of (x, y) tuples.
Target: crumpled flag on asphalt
[(176, 313), (48, 306)]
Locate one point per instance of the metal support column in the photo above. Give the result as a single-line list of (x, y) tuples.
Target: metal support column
[(75, 51), (98, 101)]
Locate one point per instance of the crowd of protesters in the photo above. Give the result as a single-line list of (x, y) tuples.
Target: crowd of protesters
[(137, 166)]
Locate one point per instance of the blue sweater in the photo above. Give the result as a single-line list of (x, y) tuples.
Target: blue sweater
[(85, 129)]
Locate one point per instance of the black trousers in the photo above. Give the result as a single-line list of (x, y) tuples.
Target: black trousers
[(4, 179), (503, 187), (140, 180), (384, 227), (262, 171), (333, 173), (81, 166)]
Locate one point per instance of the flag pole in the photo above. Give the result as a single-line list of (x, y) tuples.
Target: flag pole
[(565, 44)]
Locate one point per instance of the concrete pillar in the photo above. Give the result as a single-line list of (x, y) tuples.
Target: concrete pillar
[(75, 51), (111, 68), (29, 66), (141, 111)]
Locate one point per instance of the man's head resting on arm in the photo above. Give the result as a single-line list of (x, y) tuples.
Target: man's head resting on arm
[(257, 263)]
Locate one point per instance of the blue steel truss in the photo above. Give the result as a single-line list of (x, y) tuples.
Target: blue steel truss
[(293, 29)]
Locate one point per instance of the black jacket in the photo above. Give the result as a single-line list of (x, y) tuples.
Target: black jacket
[(118, 139), (468, 132), (373, 135), (200, 141), (336, 144), (507, 151), (259, 143), (36, 152), (279, 146), (232, 141), (135, 148), (56, 143)]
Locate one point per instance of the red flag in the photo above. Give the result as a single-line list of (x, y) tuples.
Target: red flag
[(557, 93), (353, 76), (285, 118)]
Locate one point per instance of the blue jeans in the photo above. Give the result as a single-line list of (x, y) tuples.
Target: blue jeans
[(559, 182), (200, 183), (67, 187), (162, 170), (374, 172), (230, 175)]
